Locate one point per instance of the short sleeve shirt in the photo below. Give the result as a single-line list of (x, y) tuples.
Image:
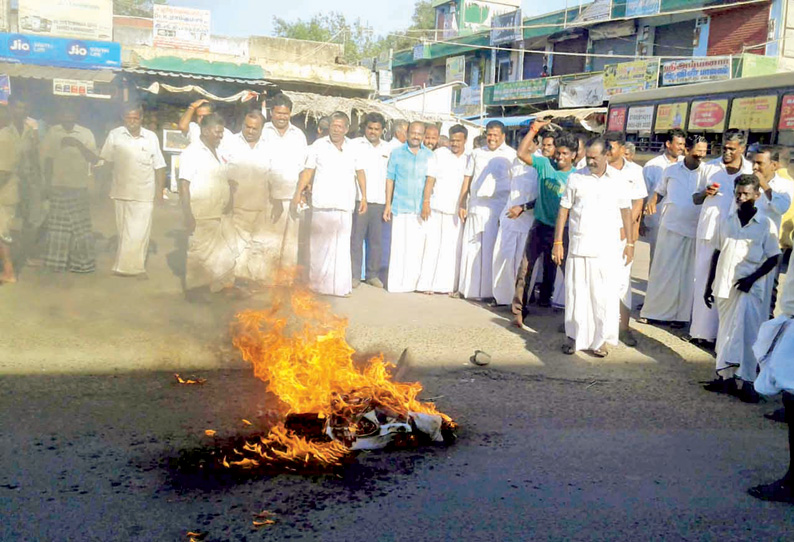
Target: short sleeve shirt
[(523, 188), (209, 184), (714, 207), (490, 173), (634, 180), (551, 187), (135, 160), (652, 172), (287, 155), (334, 185), (679, 213), (70, 169), (373, 161), (409, 173), (448, 171), (248, 167)]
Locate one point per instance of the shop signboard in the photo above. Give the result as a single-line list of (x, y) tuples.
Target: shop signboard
[(181, 28), (758, 65), (696, 70), (786, 113), (642, 8), (70, 53), (74, 87), (639, 119), (456, 69), (599, 10), (756, 113), (670, 116), (506, 28), (708, 116), (634, 76), (86, 19), (617, 119), (514, 91)]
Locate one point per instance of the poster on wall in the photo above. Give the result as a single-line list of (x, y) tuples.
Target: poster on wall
[(519, 90), (708, 116), (616, 120), (639, 119), (86, 19), (756, 113), (696, 70), (786, 113), (181, 28), (456, 69), (632, 76), (587, 92), (671, 116)]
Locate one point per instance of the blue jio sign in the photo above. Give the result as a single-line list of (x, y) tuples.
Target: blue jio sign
[(70, 53)]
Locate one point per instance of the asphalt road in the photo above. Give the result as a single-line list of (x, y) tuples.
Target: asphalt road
[(550, 447)]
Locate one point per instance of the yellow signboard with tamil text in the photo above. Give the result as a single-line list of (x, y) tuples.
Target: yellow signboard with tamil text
[(756, 113), (670, 116)]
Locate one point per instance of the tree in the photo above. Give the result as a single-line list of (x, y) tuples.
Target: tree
[(135, 8)]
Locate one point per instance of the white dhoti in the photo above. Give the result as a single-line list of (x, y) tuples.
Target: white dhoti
[(134, 226), (508, 251), (212, 252), (441, 256), (477, 249), (330, 271), (269, 248), (591, 300), (740, 317), (774, 350), (285, 231), (705, 321), (671, 283), (558, 294), (405, 252), (651, 236), (624, 284)]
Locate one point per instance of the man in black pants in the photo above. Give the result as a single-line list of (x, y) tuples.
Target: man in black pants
[(552, 179)]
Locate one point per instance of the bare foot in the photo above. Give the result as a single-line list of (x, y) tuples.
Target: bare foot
[(8, 278)]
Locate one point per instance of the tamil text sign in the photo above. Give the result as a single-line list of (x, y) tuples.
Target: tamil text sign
[(786, 113), (671, 116), (708, 116), (616, 120), (181, 28), (696, 70), (519, 90), (640, 8), (633, 76), (639, 119), (20, 48), (86, 19), (756, 113)]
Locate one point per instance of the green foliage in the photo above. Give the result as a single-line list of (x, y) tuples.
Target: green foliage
[(135, 8)]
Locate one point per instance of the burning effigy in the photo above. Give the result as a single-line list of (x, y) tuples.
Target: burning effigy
[(330, 407)]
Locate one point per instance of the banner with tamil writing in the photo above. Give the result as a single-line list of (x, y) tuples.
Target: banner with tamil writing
[(639, 119), (756, 113), (634, 76), (786, 113), (617, 119), (670, 116), (708, 116), (181, 28), (519, 90), (696, 70)]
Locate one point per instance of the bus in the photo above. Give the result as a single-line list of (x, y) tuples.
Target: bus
[(763, 107)]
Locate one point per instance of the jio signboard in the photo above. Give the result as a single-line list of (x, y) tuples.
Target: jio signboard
[(49, 51)]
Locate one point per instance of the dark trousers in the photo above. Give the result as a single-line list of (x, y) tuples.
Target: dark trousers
[(781, 267), (367, 227), (539, 244), (788, 403)]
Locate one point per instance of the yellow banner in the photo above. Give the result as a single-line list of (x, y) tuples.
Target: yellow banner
[(757, 113), (632, 76), (708, 116), (670, 116)]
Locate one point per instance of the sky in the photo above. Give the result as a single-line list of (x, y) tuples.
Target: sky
[(255, 17)]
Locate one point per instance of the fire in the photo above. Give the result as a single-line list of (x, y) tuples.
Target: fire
[(298, 348)]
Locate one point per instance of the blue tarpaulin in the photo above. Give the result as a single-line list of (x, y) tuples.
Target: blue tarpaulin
[(507, 121)]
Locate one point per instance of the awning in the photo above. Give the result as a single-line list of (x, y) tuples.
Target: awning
[(169, 66), (34, 71), (524, 120), (579, 114)]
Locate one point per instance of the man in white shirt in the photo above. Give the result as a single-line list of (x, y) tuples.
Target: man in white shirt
[(204, 193), (432, 134), (190, 122), (331, 173), (485, 191), (441, 255), (674, 149), (671, 283), (715, 197), (399, 133), (372, 157), (594, 206), (138, 180), (636, 193), (285, 145), (247, 169), (746, 249)]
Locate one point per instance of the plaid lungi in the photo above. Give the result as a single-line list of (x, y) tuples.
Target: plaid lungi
[(69, 238)]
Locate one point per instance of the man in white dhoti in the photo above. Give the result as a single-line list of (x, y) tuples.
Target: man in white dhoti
[(205, 194), (485, 190), (331, 173), (774, 350), (138, 181), (285, 145), (715, 196), (745, 250), (405, 182), (634, 184), (251, 210), (595, 206), (372, 155), (674, 150), (552, 178), (672, 279), (441, 252)]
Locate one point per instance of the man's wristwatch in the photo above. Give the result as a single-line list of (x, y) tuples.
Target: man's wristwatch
[(526, 206)]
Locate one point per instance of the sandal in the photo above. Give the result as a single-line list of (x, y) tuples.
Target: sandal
[(568, 349), (601, 352)]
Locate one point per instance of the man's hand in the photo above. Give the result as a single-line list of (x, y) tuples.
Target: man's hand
[(708, 297), (628, 254), (515, 211), (199, 103), (712, 189), (538, 125), (462, 213), (425, 210), (557, 253), (362, 207), (745, 284), (276, 209), (190, 224), (71, 142), (293, 207), (643, 230), (387, 213), (650, 208)]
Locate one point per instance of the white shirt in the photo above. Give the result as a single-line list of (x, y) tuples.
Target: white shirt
[(581, 164), (287, 158), (782, 192), (134, 161), (679, 213), (248, 167), (194, 133), (594, 220), (523, 188), (334, 185), (634, 179), (372, 160), (490, 173), (448, 171), (721, 204), (742, 251), (209, 184), (652, 172)]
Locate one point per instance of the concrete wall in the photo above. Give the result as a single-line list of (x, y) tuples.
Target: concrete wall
[(288, 50), (436, 101)]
